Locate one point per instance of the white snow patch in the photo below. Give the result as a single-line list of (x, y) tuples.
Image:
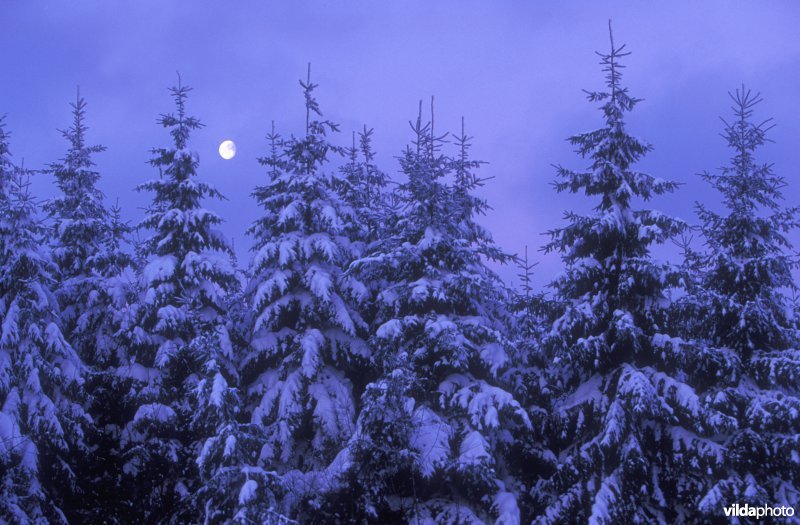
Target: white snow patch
[(248, 491), (473, 449), (431, 439), (159, 268), (390, 329)]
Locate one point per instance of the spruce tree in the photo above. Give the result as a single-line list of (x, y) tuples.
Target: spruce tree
[(80, 225), (6, 170), (629, 416), (746, 273), (434, 433), (87, 243), (307, 361), (186, 280), (362, 185), (530, 313), (42, 418), (234, 487), (530, 309)]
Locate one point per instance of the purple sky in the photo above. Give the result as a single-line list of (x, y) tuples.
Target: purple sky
[(514, 70)]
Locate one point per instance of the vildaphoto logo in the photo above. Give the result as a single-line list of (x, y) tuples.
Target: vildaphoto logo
[(762, 511)]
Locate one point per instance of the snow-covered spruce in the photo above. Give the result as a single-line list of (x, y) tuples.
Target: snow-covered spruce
[(42, 419), (7, 170), (742, 305), (186, 279), (308, 360), (435, 429), (630, 406), (93, 283), (530, 312), (80, 227), (362, 186), (234, 488)]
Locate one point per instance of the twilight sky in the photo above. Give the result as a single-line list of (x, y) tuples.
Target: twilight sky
[(514, 70)]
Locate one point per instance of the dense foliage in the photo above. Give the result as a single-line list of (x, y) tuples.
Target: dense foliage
[(368, 366)]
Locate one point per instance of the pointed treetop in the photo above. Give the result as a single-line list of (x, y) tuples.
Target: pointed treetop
[(418, 129), (20, 187), (743, 135), (463, 141), (79, 154), (609, 63), (5, 162), (465, 177), (273, 160), (274, 139), (77, 132), (182, 124), (311, 103), (365, 143), (432, 118), (617, 100), (4, 138), (314, 148), (352, 152), (525, 275), (425, 140), (746, 184), (180, 93)]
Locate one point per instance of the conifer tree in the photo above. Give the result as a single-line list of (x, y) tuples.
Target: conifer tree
[(626, 391), (528, 319), (116, 258), (744, 310), (41, 377), (234, 487), (80, 224), (435, 429), (7, 170), (87, 246), (684, 312), (525, 267), (529, 307), (362, 186), (308, 360), (185, 282)]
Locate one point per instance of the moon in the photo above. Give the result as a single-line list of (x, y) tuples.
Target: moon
[(227, 150)]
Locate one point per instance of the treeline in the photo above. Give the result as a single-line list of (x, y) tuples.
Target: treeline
[(367, 367)]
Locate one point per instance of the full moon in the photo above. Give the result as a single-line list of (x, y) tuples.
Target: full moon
[(227, 150)]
